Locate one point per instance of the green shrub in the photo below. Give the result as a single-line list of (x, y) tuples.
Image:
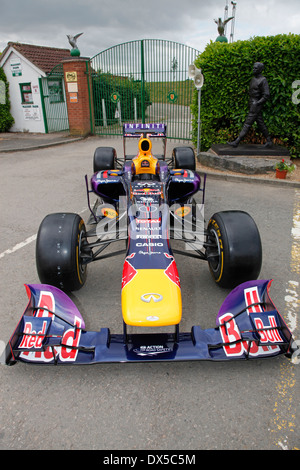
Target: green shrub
[(103, 89), (105, 84), (6, 119), (227, 70)]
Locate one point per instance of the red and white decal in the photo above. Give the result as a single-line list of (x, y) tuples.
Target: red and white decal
[(172, 271), (252, 297), (72, 340), (231, 334), (269, 333), (129, 272), (266, 332), (33, 339)]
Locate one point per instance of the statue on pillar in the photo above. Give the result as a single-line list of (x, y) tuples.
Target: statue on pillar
[(259, 93), (221, 29), (73, 42)]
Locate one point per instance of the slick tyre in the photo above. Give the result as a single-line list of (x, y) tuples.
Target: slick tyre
[(234, 252), (58, 245), (104, 159), (184, 158)]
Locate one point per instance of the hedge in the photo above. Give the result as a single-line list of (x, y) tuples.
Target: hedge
[(6, 119), (227, 70), (105, 85)]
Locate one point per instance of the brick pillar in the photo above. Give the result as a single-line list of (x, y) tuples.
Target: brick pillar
[(78, 91)]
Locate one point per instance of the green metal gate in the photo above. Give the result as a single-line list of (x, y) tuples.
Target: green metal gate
[(53, 97), (143, 81)]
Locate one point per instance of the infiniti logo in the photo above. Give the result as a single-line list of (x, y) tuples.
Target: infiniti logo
[(148, 297)]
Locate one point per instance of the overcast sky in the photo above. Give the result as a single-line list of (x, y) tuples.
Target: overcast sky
[(106, 23)]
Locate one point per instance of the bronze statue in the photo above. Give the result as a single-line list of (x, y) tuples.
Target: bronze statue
[(221, 25), (259, 93)]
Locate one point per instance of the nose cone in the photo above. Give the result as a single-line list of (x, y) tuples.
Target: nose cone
[(152, 298)]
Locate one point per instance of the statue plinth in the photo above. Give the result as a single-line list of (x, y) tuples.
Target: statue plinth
[(221, 39), (75, 52)]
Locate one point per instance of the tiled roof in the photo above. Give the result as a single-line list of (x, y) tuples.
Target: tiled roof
[(45, 58)]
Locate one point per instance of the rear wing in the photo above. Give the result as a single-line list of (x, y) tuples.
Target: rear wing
[(146, 130), (52, 331), (149, 130)]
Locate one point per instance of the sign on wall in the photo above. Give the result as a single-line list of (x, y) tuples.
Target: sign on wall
[(71, 76), (31, 112), (16, 67), (73, 97)]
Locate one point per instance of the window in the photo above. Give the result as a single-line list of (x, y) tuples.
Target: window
[(26, 93), (55, 90)]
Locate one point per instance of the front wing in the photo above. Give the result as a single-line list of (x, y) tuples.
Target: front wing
[(52, 331)]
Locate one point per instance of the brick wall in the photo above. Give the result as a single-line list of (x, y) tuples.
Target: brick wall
[(77, 94)]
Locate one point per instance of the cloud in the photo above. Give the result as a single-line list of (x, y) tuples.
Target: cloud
[(108, 23)]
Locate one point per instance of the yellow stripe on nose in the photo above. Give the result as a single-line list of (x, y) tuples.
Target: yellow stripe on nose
[(151, 298)]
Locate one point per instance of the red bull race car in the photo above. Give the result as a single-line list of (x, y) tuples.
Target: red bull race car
[(148, 200)]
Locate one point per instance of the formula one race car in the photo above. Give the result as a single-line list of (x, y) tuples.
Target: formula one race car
[(147, 201)]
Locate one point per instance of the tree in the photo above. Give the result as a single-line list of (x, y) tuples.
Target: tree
[(6, 119)]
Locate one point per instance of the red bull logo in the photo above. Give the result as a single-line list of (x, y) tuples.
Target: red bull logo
[(172, 271), (268, 332), (34, 339)]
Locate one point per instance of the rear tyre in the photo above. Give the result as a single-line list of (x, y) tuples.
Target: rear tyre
[(58, 260), (184, 158), (104, 158), (235, 254)]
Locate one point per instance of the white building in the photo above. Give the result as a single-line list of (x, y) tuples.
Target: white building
[(37, 97)]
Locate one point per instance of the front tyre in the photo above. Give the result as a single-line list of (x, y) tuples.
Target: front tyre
[(58, 259), (234, 250)]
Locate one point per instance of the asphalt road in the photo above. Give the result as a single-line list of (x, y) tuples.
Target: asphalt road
[(152, 406)]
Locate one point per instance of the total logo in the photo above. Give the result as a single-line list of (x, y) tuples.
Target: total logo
[(151, 297)]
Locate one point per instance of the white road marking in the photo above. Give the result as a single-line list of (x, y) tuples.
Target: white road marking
[(20, 245), (284, 420), (293, 291)]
